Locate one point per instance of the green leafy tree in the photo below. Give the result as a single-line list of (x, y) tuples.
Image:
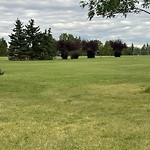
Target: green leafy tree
[(111, 8), (33, 36), (106, 50), (127, 51), (145, 49), (18, 44), (3, 47), (136, 51)]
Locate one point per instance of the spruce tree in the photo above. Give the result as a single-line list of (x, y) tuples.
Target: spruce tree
[(33, 39), (18, 45), (3, 47), (47, 45)]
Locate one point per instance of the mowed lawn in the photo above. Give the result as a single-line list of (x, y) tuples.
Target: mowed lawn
[(85, 104)]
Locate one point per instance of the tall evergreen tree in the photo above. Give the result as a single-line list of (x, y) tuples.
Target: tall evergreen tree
[(3, 47), (33, 39), (18, 45), (47, 45), (144, 50), (148, 49)]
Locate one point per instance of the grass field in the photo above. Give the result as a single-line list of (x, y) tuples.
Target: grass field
[(85, 104)]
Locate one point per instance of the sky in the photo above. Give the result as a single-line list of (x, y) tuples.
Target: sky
[(66, 16)]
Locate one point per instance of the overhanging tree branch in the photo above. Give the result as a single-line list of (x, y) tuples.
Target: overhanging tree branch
[(139, 9), (109, 8)]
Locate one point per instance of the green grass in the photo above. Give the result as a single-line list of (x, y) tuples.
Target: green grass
[(85, 104)]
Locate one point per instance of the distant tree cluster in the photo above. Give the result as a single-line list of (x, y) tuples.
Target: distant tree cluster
[(69, 45), (29, 43), (117, 48), (145, 50)]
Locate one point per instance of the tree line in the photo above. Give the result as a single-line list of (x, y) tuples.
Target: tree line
[(30, 43)]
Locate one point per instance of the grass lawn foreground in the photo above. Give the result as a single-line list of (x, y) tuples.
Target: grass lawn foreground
[(84, 104)]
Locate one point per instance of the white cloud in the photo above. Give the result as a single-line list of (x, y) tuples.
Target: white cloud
[(67, 16)]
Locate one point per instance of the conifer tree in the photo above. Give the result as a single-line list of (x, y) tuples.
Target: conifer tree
[(33, 39), (3, 47), (47, 45), (18, 45)]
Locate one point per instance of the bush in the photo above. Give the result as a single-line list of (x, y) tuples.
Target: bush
[(74, 55), (64, 54)]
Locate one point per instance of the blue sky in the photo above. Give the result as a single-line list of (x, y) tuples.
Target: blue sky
[(66, 16)]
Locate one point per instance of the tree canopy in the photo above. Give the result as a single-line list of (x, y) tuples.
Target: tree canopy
[(111, 8), (29, 43)]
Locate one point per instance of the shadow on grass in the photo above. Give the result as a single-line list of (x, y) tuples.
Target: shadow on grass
[(147, 90), (1, 72)]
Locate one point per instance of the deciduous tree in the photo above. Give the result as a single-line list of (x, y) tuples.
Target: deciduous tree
[(90, 47), (106, 50), (111, 8), (69, 45), (117, 45)]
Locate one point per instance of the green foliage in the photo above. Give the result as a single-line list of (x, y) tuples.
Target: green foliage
[(47, 45), (111, 8), (136, 51), (33, 39), (30, 43), (127, 51), (18, 44), (145, 50), (74, 54), (3, 47), (106, 49)]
